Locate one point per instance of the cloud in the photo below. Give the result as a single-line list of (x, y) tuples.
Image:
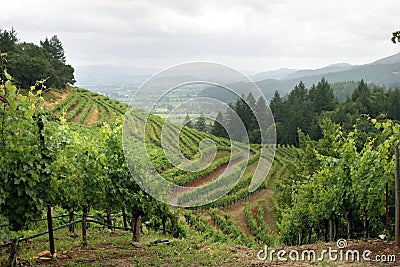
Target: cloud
[(252, 34)]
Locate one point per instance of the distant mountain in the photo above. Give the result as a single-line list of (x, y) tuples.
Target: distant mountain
[(98, 74), (379, 74), (389, 60), (327, 69), (384, 72), (273, 74)]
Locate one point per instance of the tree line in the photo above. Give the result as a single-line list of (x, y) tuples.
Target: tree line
[(245, 109), (304, 107), (29, 63)]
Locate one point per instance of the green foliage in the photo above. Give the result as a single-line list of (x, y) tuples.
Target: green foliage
[(396, 37), (8, 40), (24, 173), (230, 228), (246, 111), (340, 178), (54, 48), (207, 231), (303, 108), (258, 227), (28, 62), (217, 128), (201, 123)]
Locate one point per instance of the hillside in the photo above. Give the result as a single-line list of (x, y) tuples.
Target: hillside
[(228, 232), (80, 106), (379, 74), (383, 72)]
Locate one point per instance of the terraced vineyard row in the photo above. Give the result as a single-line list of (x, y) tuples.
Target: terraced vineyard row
[(244, 228), (235, 202), (89, 108)]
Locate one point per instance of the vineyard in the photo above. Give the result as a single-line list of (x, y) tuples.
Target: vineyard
[(88, 108), (91, 185), (205, 167)]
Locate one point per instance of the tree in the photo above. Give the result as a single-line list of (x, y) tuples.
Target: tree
[(393, 98), (218, 126), (299, 114), (361, 97), (201, 123), (8, 40), (396, 37), (29, 63), (54, 47), (276, 106), (322, 97), (250, 113), (233, 124), (187, 122)]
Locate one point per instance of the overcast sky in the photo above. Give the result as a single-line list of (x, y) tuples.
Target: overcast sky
[(254, 35)]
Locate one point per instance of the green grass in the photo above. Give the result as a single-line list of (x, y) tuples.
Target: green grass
[(106, 250)]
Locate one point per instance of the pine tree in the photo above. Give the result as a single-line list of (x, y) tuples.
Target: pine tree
[(361, 97), (276, 106), (322, 97), (54, 47), (201, 123), (8, 40), (187, 122), (217, 127), (251, 107)]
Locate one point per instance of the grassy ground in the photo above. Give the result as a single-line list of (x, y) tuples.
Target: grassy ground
[(115, 249)]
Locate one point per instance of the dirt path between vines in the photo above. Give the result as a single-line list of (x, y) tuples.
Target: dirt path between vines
[(93, 116), (237, 210), (54, 98), (208, 178)]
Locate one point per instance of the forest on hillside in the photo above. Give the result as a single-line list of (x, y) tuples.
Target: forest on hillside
[(304, 108), (29, 63)]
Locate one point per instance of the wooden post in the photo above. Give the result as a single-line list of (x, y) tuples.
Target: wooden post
[(397, 197), (84, 236), (124, 217), (12, 259), (71, 219), (51, 232), (109, 219), (387, 207)]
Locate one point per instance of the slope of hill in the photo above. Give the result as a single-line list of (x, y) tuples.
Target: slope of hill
[(328, 69), (210, 237), (380, 74), (81, 106), (389, 60), (385, 72), (273, 74)]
